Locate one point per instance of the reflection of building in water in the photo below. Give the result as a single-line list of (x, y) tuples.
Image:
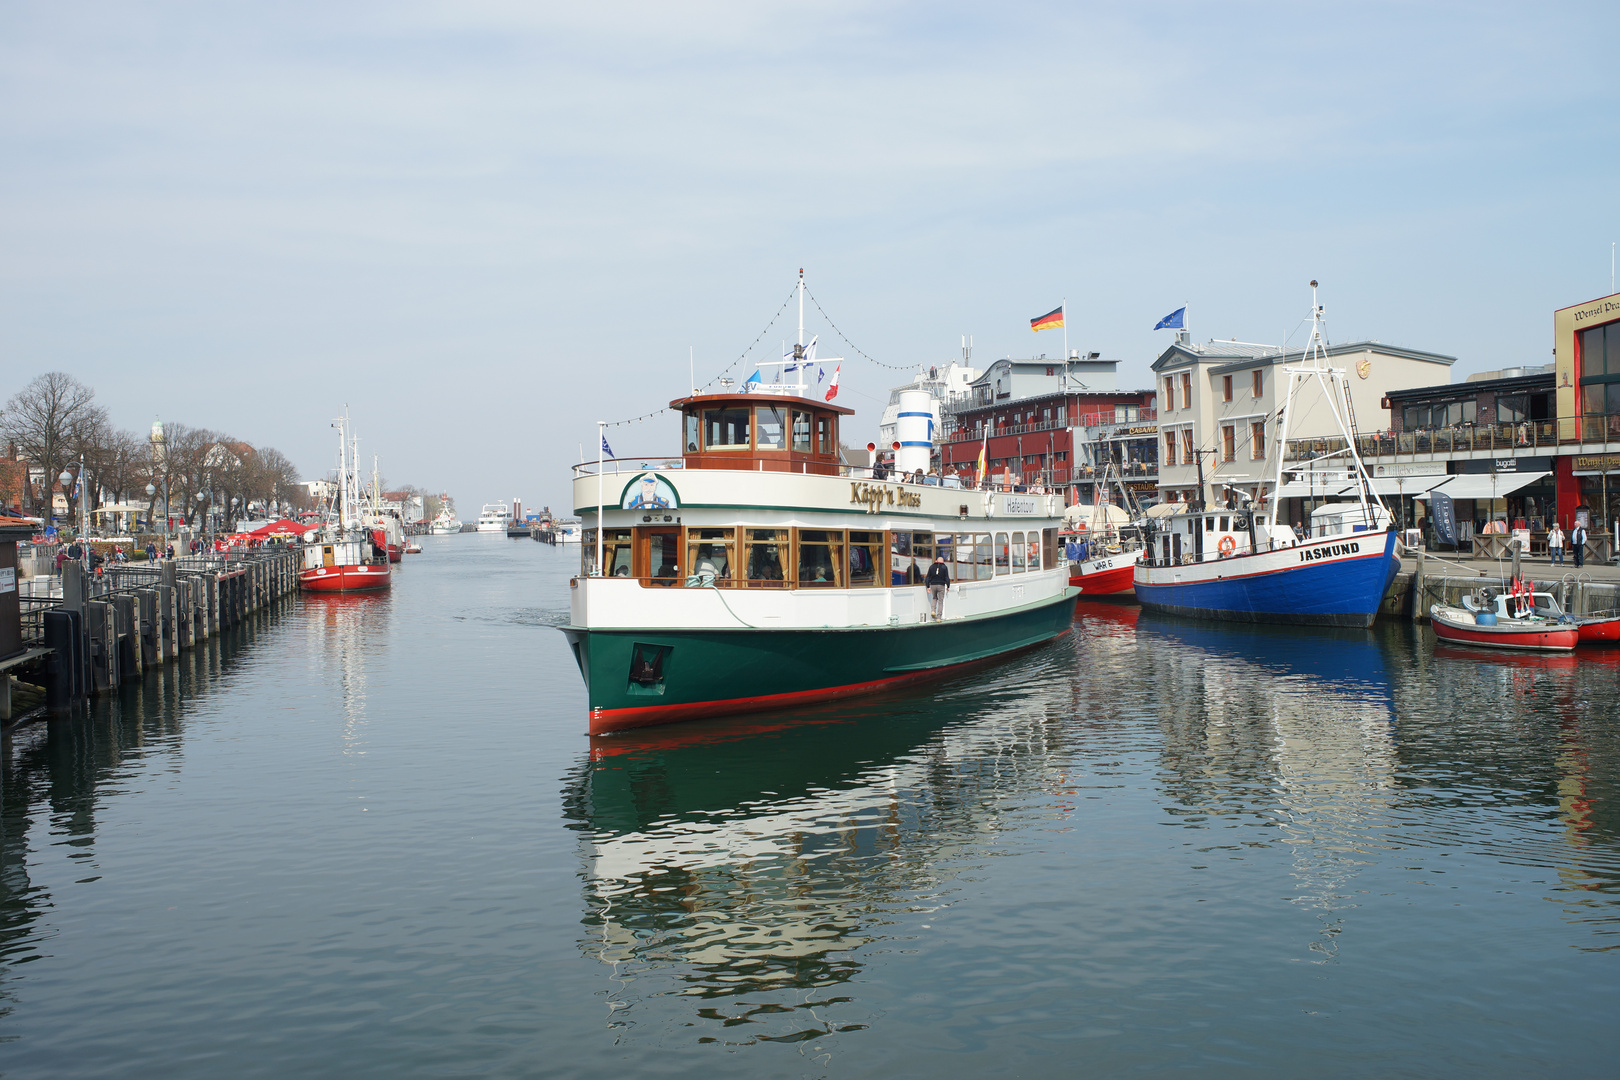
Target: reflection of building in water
[(1286, 729)]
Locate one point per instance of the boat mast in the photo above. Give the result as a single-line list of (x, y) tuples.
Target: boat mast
[(343, 467)]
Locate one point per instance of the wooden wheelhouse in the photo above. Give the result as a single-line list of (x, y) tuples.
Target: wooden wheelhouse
[(759, 432)]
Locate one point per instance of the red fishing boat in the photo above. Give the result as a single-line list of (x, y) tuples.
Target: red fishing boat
[(1101, 544), (346, 556)]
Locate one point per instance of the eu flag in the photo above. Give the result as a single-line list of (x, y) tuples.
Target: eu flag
[(1172, 321)]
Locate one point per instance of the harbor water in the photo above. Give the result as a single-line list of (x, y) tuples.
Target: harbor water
[(367, 837)]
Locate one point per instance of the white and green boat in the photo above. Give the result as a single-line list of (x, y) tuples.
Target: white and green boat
[(755, 571)]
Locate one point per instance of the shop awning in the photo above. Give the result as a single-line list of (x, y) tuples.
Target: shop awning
[(1381, 485), (1483, 485)]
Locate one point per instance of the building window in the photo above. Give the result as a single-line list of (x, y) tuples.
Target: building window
[(1187, 446), (1226, 388), (1228, 442), (1257, 440), (1186, 390), (1169, 392), (1169, 448), (1259, 382)]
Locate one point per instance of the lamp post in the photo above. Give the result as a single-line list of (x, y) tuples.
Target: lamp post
[(151, 493), (202, 497)]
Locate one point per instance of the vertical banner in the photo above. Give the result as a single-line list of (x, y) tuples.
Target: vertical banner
[(1445, 517)]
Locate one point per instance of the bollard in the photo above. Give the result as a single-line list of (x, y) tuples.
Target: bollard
[(62, 687)]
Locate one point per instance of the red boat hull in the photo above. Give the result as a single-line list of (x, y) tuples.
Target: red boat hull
[(334, 579), (1550, 639), (1117, 579), (394, 553), (1601, 632)]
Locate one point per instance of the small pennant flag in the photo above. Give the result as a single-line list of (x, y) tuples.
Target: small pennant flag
[(1052, 320), (832, 388), (821, 373), (1172, 321), (606, 449)]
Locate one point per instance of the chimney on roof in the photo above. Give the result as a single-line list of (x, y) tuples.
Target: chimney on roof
[(1183, 338)]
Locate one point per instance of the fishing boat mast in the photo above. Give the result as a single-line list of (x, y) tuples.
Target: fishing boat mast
[(1313, 365)]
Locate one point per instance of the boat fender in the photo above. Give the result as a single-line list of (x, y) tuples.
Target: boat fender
[(1485, 618)]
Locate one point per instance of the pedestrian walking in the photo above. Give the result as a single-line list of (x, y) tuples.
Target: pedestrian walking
[(1555, 544), (937, 580), (1577, 540)]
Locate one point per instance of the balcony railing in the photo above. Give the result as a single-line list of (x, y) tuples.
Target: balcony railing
[(1529, 435)]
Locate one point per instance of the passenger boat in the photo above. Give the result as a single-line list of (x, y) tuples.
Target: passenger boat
[(1240, 564), (1515, 618), (755, 571), (492, 518), (347, 556)]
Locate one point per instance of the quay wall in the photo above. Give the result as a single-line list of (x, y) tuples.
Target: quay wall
[(100, 631), (1413, 592)]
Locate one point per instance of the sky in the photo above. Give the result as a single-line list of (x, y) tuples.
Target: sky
[(484, 226)]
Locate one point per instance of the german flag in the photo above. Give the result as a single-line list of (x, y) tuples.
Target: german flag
[(1052, 320)]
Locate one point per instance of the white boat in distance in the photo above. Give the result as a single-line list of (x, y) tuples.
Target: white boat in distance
[(492, 518), (445, 521)]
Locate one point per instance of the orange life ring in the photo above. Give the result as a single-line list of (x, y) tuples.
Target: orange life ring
[(1227, 545)]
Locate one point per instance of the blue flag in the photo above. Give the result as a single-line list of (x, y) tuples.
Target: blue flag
[(1445, 517), (606, 449), (1172, 321)]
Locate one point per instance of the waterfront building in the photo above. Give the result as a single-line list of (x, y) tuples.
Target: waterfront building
[(1534, 442), (1052, 424), (1218, 407)]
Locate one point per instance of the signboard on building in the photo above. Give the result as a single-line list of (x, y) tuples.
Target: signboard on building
[(1594, 464), (1567, 322)]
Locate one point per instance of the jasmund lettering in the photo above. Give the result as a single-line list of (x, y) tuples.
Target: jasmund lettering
[(1328, 552)]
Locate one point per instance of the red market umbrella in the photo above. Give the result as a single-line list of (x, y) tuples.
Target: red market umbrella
[(285, 525)]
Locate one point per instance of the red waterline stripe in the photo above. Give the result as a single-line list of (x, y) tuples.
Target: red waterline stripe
[(606, 721)]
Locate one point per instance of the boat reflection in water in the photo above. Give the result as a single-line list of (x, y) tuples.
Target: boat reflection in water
[(1291, 729), (747, 864)]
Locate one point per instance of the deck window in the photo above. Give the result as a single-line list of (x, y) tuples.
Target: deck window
[(1001, 554), (766, 553), (725, 429), (866, 564), (983, 556), (618, 552), (909, 557), (587, 552), (821, 558), (663, 556), (1032, 559), (801, 432), (770, 427), (709, 556), (945, 544), (1015, 552)]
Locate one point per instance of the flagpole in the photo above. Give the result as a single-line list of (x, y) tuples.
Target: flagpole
[(1065, 310), (601, 441)]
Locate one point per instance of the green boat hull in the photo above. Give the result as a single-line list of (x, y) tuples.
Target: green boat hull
[(640, 677)]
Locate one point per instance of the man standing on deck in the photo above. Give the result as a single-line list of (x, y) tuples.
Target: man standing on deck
[(938, 580)]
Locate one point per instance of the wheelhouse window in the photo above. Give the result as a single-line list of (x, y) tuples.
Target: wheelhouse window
[(618, 553), (865, 559), (766, 551), (694, 432), (801, 432), (725, 429), (709, 554), (770, 427), (821, 558), (825, 436)]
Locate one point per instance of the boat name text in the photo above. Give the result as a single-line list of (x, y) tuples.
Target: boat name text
[(875, 496), (1313, 554)]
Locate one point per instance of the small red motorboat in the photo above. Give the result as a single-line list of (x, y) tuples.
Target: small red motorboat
[(1516, 618)]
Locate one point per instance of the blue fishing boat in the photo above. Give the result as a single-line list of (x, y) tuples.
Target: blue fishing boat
[(1240, 563)]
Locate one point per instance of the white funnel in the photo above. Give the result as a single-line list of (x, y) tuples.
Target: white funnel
[(914, 430)]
